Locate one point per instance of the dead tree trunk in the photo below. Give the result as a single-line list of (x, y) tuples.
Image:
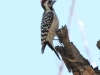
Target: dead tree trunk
[(72, 58)]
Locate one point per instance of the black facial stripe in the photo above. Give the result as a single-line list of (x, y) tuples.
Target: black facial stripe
[(43, 7)]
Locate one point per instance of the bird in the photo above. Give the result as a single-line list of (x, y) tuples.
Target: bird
[(49, 25)]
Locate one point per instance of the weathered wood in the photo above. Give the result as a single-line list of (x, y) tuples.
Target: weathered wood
[(98, 44), (72, 58)]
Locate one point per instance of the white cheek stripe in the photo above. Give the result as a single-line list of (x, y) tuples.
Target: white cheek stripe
[(46, 5)]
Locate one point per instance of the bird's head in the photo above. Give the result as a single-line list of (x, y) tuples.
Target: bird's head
[(47, 4)]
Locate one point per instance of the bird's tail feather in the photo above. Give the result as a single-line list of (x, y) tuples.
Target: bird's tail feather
[(51, 46), (43, 47)]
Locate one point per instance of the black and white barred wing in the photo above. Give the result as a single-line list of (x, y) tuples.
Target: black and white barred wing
[(45, 25)]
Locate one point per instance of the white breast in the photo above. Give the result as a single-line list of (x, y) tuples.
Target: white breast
[(53, 28)]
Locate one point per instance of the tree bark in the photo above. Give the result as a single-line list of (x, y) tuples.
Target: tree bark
[(98, 44), (72, 58)]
